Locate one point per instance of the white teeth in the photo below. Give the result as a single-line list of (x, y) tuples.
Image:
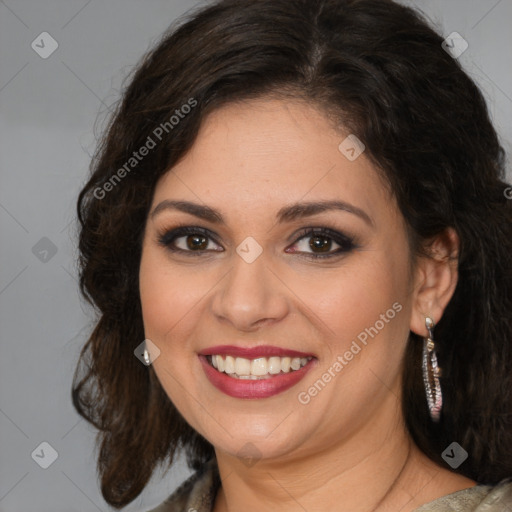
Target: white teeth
[(295, 364), (229, 364), (261, 367), (285, 364), (242, 366), (274, 365)]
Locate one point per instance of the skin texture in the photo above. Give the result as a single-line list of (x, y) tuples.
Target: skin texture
[(347, 449)]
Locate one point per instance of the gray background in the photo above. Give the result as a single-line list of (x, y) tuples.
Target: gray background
[(51, 111)]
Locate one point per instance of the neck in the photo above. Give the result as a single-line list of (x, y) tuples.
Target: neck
[(375, 469)]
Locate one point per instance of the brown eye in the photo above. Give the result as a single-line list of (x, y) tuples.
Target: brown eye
[(188, 240), (320, 243), (199, 242)]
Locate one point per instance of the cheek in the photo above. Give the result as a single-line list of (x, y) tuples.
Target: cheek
[(168, 296), (157, 297), (365, 311), (167, 311), (351, 298)]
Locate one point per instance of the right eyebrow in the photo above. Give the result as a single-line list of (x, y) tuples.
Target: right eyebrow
[(198, 210)]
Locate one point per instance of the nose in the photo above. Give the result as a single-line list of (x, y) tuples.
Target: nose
[(250, 296)]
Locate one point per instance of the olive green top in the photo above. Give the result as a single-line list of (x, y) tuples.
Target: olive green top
[(197, 494)]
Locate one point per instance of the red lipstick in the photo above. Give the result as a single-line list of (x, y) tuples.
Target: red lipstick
[(252, 389)]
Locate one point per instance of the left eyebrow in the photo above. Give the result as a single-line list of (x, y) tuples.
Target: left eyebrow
[(301, 210)]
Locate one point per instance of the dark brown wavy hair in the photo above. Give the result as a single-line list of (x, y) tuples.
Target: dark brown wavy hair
[(377, 69)]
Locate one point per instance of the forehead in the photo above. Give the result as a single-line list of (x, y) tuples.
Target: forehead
[(262, 153)]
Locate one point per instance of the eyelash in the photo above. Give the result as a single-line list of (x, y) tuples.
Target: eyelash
[(346, 243)]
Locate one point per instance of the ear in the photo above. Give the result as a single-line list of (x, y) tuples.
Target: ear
[(435, 279)]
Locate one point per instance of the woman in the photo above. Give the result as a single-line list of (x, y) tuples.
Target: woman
[(298, 222)]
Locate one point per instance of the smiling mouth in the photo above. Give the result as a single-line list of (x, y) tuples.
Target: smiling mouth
[(256, 369)]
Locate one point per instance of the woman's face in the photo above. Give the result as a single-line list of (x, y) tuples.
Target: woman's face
[(251, 274)]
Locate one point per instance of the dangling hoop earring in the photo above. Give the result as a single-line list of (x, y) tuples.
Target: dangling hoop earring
[(431, 373)]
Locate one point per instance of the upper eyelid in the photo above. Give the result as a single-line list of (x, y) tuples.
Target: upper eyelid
[(193, 229), (301, 232), (335, 235)]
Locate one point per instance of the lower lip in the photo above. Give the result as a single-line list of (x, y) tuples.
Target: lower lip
[(261, 388)]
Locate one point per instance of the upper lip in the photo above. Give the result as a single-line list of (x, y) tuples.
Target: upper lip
[(253, 352)]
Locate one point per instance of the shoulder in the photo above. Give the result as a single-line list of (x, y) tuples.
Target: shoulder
[(197, 493), (480, 498)]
